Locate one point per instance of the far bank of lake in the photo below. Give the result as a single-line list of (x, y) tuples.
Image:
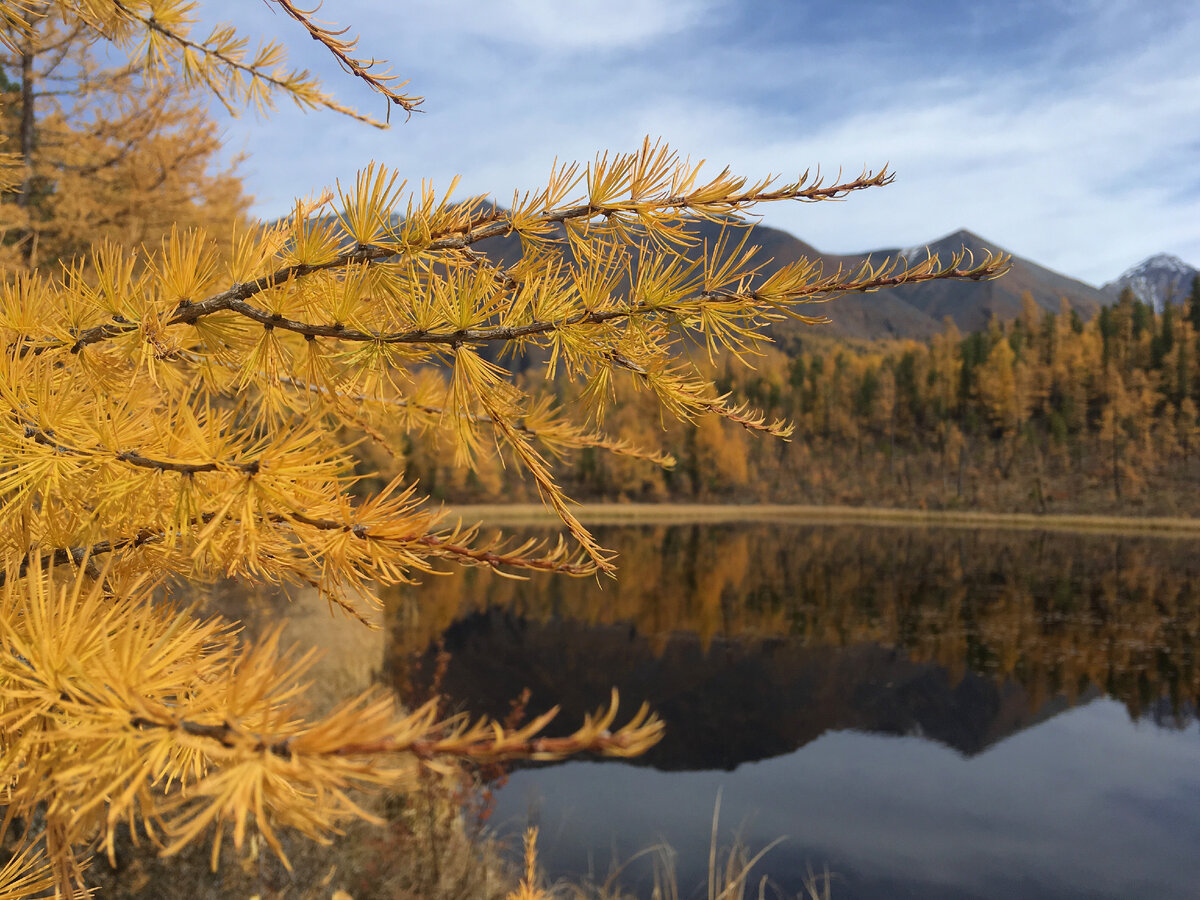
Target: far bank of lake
[(716, 513)]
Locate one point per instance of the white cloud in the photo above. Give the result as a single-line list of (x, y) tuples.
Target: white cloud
[(1081, 158)]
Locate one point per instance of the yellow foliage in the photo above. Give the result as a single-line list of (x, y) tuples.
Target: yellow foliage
[(998, 387)]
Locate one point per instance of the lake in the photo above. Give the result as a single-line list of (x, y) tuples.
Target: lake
[(934, 713)]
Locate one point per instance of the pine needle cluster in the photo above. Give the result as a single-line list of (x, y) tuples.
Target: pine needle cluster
[(190, 411)]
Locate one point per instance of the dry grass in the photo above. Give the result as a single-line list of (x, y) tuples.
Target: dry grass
[(729, 876)]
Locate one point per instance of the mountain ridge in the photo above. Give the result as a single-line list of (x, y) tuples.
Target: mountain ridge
[(904, 312), (920, 311)]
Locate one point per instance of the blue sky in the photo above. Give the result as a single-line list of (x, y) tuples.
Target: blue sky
[(1067, 131)]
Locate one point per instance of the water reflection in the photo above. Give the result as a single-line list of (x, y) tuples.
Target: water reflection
[(965, 636), (1080, 806), (798, 655)]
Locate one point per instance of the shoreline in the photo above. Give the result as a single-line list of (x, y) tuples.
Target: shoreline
[(715, 513)]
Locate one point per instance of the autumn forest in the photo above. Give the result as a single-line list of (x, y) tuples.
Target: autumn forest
[(1046, 413)]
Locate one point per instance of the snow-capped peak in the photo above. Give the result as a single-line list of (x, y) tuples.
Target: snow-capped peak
[(1161, 262), (1155, 280)]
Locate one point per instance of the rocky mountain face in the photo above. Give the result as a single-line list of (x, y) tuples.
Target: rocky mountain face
[(1156, 280), (971, 304)]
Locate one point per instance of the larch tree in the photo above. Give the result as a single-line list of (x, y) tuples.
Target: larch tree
[(106, 152), (181, 412)]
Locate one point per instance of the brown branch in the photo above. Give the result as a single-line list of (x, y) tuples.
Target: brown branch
[(489, 225), (232, 300), (543, 748), (680, 202), (341, 51), (78, 555), (317, 98), (45, 437), (749, 419), (829, 286), (154, 25), (993, 266), (640, 734), (134, 458), (498, 560), (441, 544)]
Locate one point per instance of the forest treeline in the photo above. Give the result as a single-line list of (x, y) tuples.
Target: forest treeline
[(1045, 413)]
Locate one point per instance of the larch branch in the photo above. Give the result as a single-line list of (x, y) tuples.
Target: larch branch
[(233, 300), (341, 51)]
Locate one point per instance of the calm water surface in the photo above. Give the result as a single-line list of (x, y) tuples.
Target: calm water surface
[(928, 713)]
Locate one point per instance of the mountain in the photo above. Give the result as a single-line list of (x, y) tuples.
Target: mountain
[(971, 304), (1155, 280), (912, 311), (885, 313), (919, 311)]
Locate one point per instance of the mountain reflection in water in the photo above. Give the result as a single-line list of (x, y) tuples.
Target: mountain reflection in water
[(754, 641)]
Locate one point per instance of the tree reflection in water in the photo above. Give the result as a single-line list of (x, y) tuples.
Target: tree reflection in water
[(772, 634)]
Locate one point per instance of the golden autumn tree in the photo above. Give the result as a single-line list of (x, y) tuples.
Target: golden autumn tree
[(107, 152), (998, 388), (188, 411)]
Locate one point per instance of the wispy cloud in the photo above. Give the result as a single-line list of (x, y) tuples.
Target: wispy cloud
[(553, 26), (1064, 130)]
